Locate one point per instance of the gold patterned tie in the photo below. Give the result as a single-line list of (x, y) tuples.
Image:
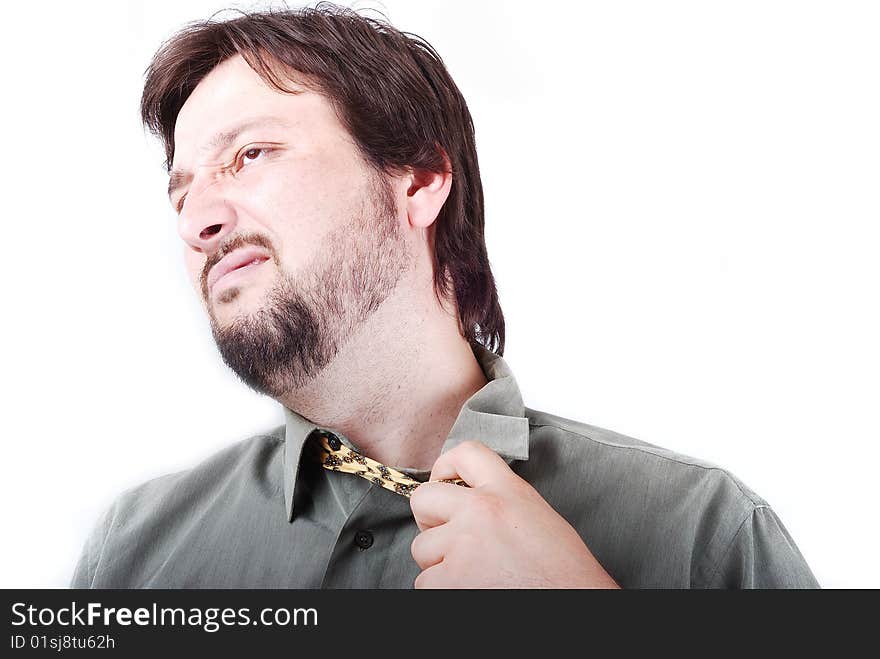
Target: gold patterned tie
[(336, 456)]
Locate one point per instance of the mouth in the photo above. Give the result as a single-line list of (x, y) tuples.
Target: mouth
[(235, 265)]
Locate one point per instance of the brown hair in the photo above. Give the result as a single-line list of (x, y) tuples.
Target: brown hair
[(391, 92)]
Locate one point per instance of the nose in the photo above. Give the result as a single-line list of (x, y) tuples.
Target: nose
[(207, 216)]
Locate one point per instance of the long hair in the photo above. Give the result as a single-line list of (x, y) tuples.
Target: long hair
[(391, 92)]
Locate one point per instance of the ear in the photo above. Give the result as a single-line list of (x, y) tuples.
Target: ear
[(427, 193)]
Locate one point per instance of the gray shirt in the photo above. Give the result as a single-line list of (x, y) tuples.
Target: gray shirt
[(255, 515)]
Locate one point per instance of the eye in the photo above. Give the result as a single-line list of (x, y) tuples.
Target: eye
[(251, 154), (179, 206)]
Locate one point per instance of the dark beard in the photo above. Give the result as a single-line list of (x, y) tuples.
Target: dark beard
[(281, 347), (304, 321)]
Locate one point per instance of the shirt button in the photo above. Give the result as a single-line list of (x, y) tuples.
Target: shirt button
[(363, 539), (334, 442)]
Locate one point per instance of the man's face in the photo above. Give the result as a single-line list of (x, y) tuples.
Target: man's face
[(291, 239)]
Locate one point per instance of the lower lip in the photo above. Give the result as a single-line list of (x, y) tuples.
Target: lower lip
[(233, 276)]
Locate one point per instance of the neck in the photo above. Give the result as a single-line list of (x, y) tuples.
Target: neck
[(397, 386)]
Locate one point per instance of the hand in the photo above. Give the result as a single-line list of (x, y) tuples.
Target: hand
[(499, 533)]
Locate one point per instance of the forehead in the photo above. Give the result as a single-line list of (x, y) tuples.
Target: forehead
[(233, 95)]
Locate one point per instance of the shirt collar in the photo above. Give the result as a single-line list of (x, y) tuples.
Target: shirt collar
[(494, 415)]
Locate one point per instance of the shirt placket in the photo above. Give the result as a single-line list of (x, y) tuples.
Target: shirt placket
[(372, 547)]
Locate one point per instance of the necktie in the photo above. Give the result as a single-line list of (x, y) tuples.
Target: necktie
[(336, 456)]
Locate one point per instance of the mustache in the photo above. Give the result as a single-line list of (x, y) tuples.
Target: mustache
[(233, 243)]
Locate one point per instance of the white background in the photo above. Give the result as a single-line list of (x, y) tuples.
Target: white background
[(682, 216)]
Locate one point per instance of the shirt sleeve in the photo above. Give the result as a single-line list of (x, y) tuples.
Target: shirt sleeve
[(86, 566), (762, 554)]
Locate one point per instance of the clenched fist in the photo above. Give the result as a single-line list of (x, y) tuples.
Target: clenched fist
[(498, 533)]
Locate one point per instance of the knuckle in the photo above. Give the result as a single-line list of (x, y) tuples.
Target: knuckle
[(415, 546), (471, 446), (415, 498), (419, 499), (467, 446), (488, 504)]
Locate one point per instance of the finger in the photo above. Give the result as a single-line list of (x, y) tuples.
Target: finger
[(434, 504), (473, 462), (433, 577), (431, 546)]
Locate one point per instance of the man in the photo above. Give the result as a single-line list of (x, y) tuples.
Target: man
[(324, 170)]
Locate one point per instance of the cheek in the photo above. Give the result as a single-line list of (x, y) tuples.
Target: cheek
[(298, 203)]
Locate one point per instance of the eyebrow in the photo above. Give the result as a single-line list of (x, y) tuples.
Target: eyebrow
[(218, 143)]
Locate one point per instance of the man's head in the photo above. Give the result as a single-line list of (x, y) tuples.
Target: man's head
[(297, 142)]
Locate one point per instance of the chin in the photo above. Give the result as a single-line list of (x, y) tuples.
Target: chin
[(234, 301)]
